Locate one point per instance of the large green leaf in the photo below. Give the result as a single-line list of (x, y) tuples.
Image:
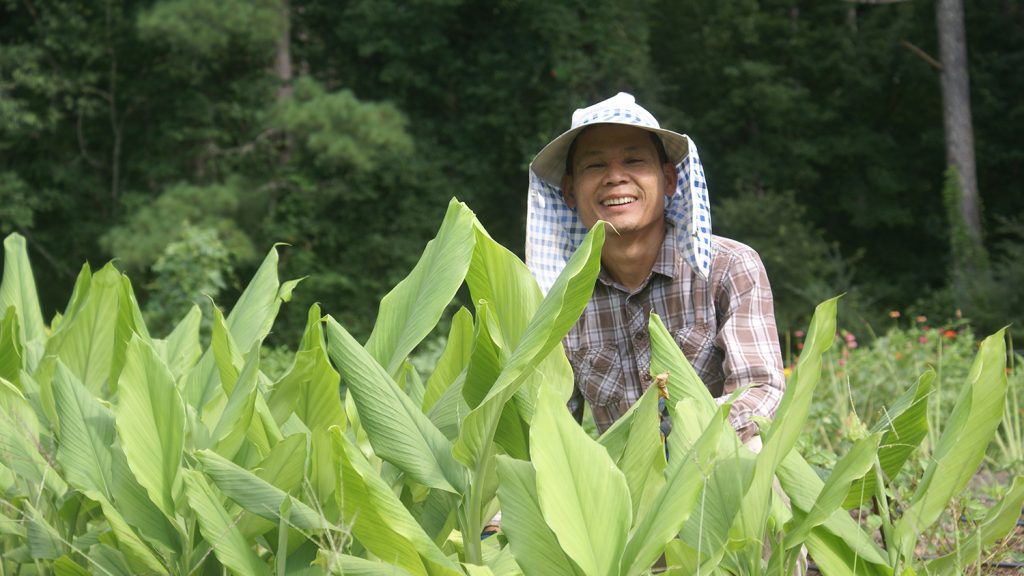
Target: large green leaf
[(485, 360), (181, 349), (44, 542), (65, 566), (706, 531), (310, 388), (18, 289), (11, 348), (677, 497), (683, 381), (963, 442), (490, 352), (560, 309), (583, 496), (556, 315), (852, 466), (453, 359), (20, 442), (129, 324), (450, 409), (151, 425), (398, 431), (109, 561), (347, 565), (257, 495), (249, 322), (285, 469), (534, 544), (85, 342), (132, 502), (905, 426), (840, 540), (232, 367), (834, 556), (635, 445), (378, 519), (237, 417), (411, 310), (98, 469), (999, 521), (219, 530), (500, 278), (86, 435), (787, 427)]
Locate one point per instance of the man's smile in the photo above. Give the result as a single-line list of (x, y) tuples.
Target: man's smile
[(618, 201)]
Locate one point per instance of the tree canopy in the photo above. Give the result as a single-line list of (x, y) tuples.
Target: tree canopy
[(133, 129)]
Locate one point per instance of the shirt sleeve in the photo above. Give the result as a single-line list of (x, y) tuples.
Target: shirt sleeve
[(748, 337)]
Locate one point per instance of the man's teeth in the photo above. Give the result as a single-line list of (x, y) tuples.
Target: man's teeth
[(618, 201)]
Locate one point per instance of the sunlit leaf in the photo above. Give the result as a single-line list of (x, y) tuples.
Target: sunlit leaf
[(218, 528), (378, 519), (399, 432), (453, 359), (961, 447), (583, 496), (18, 289), (151, 424), (411, 310), (532, 541)]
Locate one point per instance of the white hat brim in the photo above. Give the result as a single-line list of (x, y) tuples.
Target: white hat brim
[(549, 164)]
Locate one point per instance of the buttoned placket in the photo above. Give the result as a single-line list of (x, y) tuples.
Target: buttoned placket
[(637, 312)]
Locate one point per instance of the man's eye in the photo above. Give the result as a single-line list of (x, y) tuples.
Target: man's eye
[(594, 165), (634, 160)]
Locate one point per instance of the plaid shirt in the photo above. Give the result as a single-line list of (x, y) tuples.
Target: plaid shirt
[(725, 327)]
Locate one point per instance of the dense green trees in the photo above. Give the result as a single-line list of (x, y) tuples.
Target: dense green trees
[(128, 128)]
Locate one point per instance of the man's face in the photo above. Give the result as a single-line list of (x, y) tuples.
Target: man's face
[(618, 177)]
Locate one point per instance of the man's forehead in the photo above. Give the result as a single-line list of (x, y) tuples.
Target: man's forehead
[(607, 137)]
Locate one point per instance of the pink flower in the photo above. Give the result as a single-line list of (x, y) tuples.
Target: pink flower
[(922, 319), (922, 339), (799, 334)]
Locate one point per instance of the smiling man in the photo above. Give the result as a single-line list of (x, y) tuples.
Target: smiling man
[(618, 165)]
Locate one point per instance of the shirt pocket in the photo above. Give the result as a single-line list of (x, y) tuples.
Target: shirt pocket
[(695, 341), (599, 375)]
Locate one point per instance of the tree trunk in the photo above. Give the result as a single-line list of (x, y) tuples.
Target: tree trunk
[(956, 110), (283, 71), (283, 55)]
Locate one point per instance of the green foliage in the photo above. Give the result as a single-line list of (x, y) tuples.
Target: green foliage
[(803, 268), (208, 31), (192, 271), (178, 216), (142, 455)]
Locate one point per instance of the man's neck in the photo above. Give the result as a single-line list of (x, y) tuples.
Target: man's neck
[(630, 260)]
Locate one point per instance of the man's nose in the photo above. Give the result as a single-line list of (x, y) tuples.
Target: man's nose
[(615, 173)]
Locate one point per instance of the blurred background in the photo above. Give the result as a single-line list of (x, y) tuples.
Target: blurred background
[(184, 137)]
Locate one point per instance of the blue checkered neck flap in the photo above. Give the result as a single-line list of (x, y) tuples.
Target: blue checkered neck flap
[(554, 231)]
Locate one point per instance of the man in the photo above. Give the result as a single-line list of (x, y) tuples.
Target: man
[(616, 164)]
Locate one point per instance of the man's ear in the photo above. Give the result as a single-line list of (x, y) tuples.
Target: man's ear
[(669, 171), (568, 192)]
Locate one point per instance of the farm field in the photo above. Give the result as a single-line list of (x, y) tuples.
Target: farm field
[(192, 452)]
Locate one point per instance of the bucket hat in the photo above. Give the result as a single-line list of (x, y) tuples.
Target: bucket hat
[(549, 164), (554, 230)]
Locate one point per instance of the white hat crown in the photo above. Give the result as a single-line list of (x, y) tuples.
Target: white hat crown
[(621, 108)]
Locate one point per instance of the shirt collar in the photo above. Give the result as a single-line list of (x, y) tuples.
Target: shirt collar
[(667, 264)]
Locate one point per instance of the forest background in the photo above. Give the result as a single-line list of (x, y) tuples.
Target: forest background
[(184, 137)]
